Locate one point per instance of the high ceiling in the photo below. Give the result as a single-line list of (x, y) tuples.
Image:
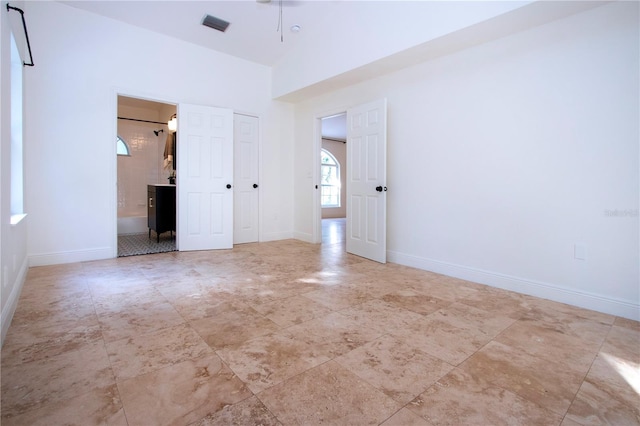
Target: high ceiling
[(253, 31), (340, 42)]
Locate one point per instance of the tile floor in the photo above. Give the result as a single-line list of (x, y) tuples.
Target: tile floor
[(289, 333), (137, 244)]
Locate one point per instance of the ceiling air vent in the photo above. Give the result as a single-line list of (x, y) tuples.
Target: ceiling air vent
[(215, 23)]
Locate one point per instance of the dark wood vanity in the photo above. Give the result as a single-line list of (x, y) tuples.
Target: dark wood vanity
[(161, 209)]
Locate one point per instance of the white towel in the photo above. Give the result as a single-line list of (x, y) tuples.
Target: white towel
[(168, 151)]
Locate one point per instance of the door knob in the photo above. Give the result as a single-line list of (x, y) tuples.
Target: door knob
[(255, 185), (379, 188), (228, 186)]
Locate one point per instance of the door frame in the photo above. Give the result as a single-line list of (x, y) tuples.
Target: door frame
[(113, 161), (317, 147), (259, 142)]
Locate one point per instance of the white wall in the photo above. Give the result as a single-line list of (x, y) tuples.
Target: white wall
[(13, 238), (82, 62), (503, 157)]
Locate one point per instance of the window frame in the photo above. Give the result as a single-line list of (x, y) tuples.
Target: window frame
[(335, 188), (122, 142)]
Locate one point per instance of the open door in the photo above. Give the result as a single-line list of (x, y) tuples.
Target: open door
[(366, 180), (204, 178)]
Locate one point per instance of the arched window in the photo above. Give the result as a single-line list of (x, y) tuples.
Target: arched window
[(121, 147), (330, 180)]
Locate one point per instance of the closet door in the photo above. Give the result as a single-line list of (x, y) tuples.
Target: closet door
[(246, 174), (204, 178)]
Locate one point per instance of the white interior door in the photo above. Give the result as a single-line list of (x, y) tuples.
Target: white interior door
[(204, 178), (366, 180), (246, 191)]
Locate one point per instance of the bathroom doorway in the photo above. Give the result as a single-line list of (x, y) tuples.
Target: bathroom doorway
[(146, 159)]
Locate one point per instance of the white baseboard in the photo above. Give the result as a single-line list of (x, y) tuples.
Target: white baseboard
[(276, 236), (596, 302), (12, 302), (70, 256), (303, 236)]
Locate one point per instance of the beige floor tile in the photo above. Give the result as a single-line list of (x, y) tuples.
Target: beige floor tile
[(325, 276), (332, 335), (66, 270), (51, 290), (265, 361), (323, 337), (551, 308), (118, 302), (138, 319), (545, 342), (292, 310), (59, 314), (591, 330), (399, 370), (610, 393), (328, 394), (231, 326), (595, 405), (498, 301), (454, 333), (205, 304), (339, 297), (100, 406), (376, 286), (249, 412), (406, 417), (415, 302), (169, 272), (145, 353), (624, 343), (552, 385), (265, 292), (627, 323), (35, 384), (568, 422), (462, 399), (382, 316), (445, 288), (181, 393), (26, 344), (120, 287)]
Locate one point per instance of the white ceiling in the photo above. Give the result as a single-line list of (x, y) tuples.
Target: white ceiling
[(341, 42), (335, 127), (251, 35)]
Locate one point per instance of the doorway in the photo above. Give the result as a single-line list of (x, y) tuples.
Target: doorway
[(365, 185), (144, 160), (333, 172)]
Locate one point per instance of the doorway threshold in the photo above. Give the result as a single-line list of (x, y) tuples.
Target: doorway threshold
[(139, 244)]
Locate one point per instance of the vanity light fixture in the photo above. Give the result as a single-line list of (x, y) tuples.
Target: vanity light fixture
[(173, 123)]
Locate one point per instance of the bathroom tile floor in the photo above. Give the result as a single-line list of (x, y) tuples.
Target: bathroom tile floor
[(290, 333), (138, 244)]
